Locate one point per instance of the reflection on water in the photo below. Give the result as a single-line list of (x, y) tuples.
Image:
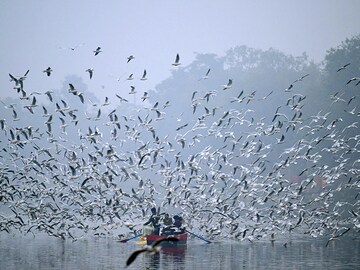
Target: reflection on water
[(169, 258), (49, 253)]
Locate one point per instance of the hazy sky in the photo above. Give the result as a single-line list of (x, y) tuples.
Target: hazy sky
[(37, 34)]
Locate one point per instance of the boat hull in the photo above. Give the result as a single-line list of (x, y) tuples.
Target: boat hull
[(150, 239)]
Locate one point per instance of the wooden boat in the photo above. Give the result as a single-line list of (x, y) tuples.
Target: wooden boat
[(150, 239)]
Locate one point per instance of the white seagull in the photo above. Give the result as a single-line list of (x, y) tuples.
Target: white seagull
[(131, 57), (143, 78), (48, 71), (97, 51), (177, 61), (207, 74), (228, 85), (91, 72)]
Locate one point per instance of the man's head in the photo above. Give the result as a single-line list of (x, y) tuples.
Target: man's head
[(153, 210)]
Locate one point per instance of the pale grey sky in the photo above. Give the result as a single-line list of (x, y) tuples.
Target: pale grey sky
[(37, 34)]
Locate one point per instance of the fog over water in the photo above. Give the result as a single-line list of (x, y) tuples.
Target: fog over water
[(242, 117)]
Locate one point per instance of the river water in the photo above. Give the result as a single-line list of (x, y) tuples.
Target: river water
[(19, 252)]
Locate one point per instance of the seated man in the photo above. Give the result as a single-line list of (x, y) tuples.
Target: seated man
[(168, 222), (178, 225)]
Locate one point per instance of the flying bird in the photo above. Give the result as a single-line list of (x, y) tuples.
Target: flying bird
[(72, 89), (48, 71), (48, 93), (80, 95), (19, 81), (301, 78), (73, 48), (207, 74), (281, 140), (130, 77), (97, 51), (143, 78), (177, 61), (354, 79), (121, 98), (145, 96), (131, 57), (132, 90), (343, 67), (91, 72), (289, 88), (228, 85), (154, 248)]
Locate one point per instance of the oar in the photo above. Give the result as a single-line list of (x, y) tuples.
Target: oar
[(125, 240), (198, 236)]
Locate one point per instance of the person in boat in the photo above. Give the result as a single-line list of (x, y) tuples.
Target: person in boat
[(167, 220), (178, 221), (154, 221), (168, 223)]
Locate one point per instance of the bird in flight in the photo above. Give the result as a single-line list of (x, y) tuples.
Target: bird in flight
[(130, 77), (143, 78), (177, 61), (207, 74), (73, 48), (354, 79), (97, 51), (19, 85), (131, 57), (281, 140), (91, 71), (289, 88), (154, 248), (132, 90), (121, 98), (301, 78), (343, 67), (48, 71), (228, 85)]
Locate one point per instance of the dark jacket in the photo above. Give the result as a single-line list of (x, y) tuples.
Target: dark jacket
[(154, 220)]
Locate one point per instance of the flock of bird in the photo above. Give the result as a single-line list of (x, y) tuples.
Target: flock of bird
[(69, 170)]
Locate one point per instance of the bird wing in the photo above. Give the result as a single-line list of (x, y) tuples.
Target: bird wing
[(12, 77), (207, 73), (352, 79), (33, 101), (133, 256), (73, 170), (14, 113), (171, 238), (81, 97)]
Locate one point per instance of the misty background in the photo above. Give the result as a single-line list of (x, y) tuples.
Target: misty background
[(273, 113), (39, 34)]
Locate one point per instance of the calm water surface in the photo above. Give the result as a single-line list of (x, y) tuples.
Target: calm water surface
[(49, 253)]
